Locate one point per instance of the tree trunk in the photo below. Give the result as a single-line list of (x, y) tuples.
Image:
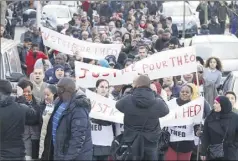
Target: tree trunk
[(3, 6)]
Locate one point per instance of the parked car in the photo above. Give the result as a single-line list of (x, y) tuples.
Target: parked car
[(176, 11), (231, 83), (225, 47), (54, 15), (10, 65)]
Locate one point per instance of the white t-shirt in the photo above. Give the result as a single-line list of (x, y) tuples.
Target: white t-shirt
[(102, 135)]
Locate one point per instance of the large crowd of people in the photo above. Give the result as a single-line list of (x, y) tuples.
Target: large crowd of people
[(48, 116)]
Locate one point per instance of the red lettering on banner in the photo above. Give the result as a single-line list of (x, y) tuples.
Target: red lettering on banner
[(106, 74), (172, 59), (164, 64), (186, 58), (84, 74), (105, 108), (152, 67), (96, 75), (192, 58), (133, 67), (158, 65), (191, 111), (145, 66), (180, 60), (46, 36)]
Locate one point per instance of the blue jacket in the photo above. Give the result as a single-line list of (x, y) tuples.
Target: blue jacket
[(73, 135)]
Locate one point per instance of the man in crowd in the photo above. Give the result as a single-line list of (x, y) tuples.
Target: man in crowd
[(69, 123), (142, 116), (13, 117)]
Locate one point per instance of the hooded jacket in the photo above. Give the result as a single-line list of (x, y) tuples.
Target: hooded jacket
[(215, 126), (13, 117), (73, 134), (31, 60), (142, 111), (54, 79)]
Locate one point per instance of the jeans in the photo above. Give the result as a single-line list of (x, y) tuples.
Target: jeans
[(223, 26)]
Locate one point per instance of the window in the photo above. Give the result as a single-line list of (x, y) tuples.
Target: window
[(14, 61), (6, 65), (228, 83), (235, 87)]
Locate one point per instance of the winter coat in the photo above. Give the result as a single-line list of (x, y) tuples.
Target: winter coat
[(212, 11), (38, 92), (222, 13), (13, 117), (210, 92), (31, 60), (214, 28), (201, 10), (214, 131), (73, 134), (32, 130), (46, 114), (141, 121)]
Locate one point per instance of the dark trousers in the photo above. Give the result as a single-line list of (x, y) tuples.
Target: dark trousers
[(150, 154), (202, 21), (223, 26), (35, 148)]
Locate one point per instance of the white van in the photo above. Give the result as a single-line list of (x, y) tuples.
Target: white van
[(10, 67), (224, 47)]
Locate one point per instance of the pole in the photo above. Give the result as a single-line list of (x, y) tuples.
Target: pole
[(38, 14), (184, 19), (206, 12)]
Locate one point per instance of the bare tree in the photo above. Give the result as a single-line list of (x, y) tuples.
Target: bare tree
[(3, 7)]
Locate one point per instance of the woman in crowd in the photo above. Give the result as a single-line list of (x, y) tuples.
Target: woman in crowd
[(232, 97), (32, 130), (213, 71), (181, 150), (102, 131), (47, 108), (58, 74), (220, 133), (171, 82), (156, 87)]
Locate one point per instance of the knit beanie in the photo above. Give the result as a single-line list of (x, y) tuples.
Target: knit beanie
[(5, 86)]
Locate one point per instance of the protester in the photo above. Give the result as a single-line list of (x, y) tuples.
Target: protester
[(31, 135), (23, 53), (213, 71), (214, 27), (58, 74), (101, 147), (142, 128), (181, 150), (219, 138), (207, 89), (232, 97), (13, 116), (32, 56), (69, 123), (47, 107), (171, 82), (38, 84)]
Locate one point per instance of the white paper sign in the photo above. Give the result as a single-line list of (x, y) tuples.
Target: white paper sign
[(102, 135), (104, 108), (164, 64), (181, 133), (191, 113), (70, 45)]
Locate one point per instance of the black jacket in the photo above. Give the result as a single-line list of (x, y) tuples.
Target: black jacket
[(73, 134), (142, 111), (13, 117), (214, 130), (214, 28)]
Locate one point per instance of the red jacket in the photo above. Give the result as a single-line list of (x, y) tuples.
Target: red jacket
[(30, 60)]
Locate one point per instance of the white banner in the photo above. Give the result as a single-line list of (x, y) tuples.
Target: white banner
[(70, 45), (191, 113), (164, 64), (181, 133)]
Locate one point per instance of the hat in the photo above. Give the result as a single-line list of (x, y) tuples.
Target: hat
[(111, 59), (5, 87), (103, 63), (225, 104)]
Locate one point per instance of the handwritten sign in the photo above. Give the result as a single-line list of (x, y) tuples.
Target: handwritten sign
[(164, 64), (70, 45), (191, 113)]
